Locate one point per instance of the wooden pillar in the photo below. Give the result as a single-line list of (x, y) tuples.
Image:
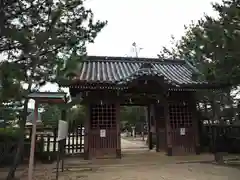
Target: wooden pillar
[(86, 132), (157, 133), (33, 143), (167, 126), (193, 107), (62, 144), (118, 150), (150, 143)]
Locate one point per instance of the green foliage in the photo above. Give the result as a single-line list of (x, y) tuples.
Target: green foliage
[(77, 114), (8, 114), (51, 115), (10, 91), (8, 134), (131, 116), (212, 45), (37, 38), (11, 87)]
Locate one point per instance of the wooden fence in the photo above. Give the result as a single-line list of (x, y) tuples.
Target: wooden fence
[(46, 145), (209, 133), (74, 143)]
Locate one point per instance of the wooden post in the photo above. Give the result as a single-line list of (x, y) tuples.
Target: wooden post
[(156, 119), (150, 143), (118, 150), (58, 159), (33, 140), (167, 126), (63, 142), (86, 132), (143, 131)]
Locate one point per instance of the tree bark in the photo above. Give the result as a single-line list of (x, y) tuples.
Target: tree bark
[(12, 170), (11, 173), (218, 154)]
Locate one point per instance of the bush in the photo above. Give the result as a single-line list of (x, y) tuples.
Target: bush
[(7, 134), (8, 144)]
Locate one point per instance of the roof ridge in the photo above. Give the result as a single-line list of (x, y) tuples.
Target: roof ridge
[(146, 65), (193, 67), (142, 71), (133, 59)]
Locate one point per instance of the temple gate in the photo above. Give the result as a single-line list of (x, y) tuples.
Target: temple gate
[(166, 87)]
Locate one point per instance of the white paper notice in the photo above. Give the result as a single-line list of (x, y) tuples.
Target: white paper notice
[(182, 131), (62, 130), (102, 132)]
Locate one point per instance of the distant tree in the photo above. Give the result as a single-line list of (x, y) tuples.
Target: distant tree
[(132, 116), (211, 45), (51, 115), (76, 116), (10, 92)]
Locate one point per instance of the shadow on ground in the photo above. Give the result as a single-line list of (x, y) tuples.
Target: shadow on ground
[(228, 162)]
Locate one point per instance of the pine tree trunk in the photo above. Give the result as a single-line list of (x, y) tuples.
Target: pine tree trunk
[(218, 155), (17, 158)]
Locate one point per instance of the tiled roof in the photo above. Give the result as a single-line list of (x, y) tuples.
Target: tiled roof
[(120, 70), (48, 95)]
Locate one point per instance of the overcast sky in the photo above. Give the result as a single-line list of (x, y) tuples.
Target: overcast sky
[(149, 23)]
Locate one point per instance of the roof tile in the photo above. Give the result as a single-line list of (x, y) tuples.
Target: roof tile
[(115, 70)]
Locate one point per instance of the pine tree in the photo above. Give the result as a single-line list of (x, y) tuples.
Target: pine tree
[(37, 36)]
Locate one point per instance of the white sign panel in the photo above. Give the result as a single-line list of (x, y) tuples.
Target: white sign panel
[(102, 132), (182, 131), (62, 130)]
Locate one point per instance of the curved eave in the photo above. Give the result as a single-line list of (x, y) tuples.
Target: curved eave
[(48, 97), (83, 84), (206, 86)]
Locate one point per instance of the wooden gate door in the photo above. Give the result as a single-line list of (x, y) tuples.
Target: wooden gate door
[(103, 139), (181, 121)]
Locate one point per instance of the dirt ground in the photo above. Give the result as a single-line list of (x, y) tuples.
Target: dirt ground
[(156, 172), (150, 166), (137, 165)]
